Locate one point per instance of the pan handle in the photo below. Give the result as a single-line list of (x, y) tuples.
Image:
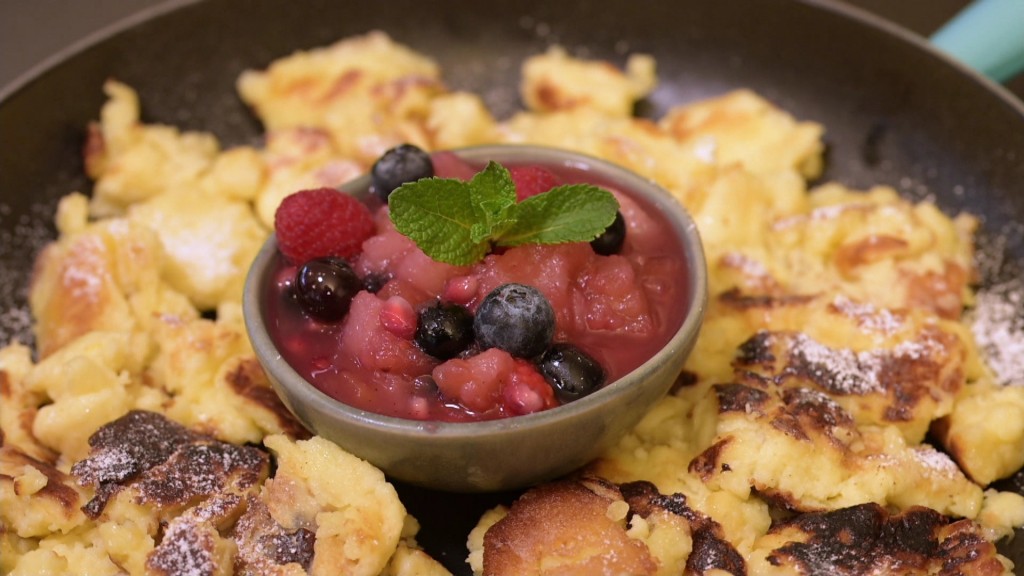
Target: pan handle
[(987, 35)]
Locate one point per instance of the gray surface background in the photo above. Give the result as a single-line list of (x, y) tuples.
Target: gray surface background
[(33, 31)]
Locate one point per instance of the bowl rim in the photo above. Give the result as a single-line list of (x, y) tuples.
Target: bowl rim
[(284, 375)]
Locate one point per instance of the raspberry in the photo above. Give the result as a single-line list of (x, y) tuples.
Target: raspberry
[(532, 180), (321, 222), (398, 317), (525, 391)]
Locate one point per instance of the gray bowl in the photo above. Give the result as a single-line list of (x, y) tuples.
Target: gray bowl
[(507, 453)]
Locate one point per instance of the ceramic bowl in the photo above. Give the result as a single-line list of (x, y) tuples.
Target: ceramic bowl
[(512, 452)]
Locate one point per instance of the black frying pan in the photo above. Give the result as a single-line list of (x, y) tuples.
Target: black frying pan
[(896, 112)]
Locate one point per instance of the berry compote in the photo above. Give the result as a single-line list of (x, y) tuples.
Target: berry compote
[(618, 310)]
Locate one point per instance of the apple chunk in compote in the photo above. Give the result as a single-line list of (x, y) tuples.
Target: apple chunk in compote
[(618, 310)]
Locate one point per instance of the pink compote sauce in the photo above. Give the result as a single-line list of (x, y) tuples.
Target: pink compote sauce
[(620, 309)]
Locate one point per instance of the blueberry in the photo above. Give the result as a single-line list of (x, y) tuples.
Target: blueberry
[(325, 288), (610, 241), (401, 164), (444, 330), (515, 318), (373, 282), (571, 372)]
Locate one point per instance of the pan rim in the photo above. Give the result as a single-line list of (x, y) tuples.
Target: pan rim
[(94, 38), (836, 7), (921, 43)]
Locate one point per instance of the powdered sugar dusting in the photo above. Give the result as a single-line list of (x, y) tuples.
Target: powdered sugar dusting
[(998, 329), (185, 550), (934, 461), (848, 372), (746, 265), (868, 316), (22, 236), (15, 324), (997, 319), (843, 370), (819, 214)]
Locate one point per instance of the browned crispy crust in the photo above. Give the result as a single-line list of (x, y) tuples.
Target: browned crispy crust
[(264, 545), (711, 550), (193, 551), (803, 414), (871, 248), (94, 151), (58, 486), (25, 418), (897, 385), (707, 463), (196, 485), (124, 450), (565, 527), (866, 539), (735, 299), (248, 380), (164, 464), (941, 292)]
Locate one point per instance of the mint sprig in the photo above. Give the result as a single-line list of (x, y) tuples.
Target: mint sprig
[(458, 222)]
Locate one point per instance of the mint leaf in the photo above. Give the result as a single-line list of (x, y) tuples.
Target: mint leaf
[(439, 215), (494, 192), (457, 222), (573, 213)]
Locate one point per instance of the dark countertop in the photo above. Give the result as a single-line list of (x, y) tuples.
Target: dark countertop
[(33, 30)]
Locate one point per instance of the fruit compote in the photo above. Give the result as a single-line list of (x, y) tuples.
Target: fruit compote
[(610, 314)]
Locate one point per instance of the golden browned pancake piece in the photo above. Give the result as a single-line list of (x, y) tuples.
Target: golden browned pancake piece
[(565, 528), (906, 385), (590, 526)]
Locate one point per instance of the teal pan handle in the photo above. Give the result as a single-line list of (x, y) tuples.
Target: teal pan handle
[(987, 35)]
